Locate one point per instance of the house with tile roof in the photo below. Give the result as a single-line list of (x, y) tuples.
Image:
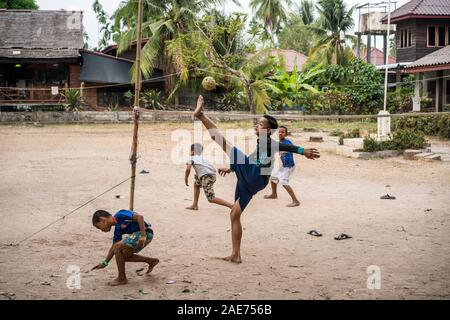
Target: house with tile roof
[(422, 40)]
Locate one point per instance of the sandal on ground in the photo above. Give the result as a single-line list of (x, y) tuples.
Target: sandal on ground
[(315, 233), (388, 197), (342, 236)]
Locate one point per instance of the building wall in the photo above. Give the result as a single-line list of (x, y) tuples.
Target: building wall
[(419, 46)]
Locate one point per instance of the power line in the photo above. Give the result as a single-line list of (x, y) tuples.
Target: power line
[(71, 212)]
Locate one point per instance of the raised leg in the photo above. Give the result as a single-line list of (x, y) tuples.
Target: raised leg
[(213, 130), (221, 202)]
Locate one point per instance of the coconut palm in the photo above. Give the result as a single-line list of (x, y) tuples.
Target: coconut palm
[(306, 10), (163, 21), (272, 13), (334, 23)]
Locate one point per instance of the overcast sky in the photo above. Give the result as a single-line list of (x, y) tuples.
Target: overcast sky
[(92, 26)]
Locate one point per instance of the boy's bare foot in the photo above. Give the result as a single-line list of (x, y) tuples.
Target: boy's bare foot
[(117, 282), (199, 109), (293, 204), (271, 196), (192, 208), (233, 259), (151, 264)]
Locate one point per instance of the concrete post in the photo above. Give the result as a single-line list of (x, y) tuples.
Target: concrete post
[(416, 98), (383, 124)]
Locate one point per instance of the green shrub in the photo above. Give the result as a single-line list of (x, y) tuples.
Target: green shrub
[(354, 133), (400, 140), (231, 101), (438, 125), (152, 99)]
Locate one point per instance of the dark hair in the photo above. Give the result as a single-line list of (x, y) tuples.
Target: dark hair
[(285, 129), (98, 214), (273, 123), (197, 148)]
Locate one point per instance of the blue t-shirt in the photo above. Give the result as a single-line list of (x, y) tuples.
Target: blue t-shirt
[(125, 224), (287, 158)]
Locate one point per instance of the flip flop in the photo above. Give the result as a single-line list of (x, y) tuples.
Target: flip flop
[(388, 197), (144, 172), (342, 236), (315, 233)]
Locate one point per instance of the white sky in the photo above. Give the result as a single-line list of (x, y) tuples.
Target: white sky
[(92, 27)]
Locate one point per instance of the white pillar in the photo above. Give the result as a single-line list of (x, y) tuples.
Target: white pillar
[(384, 125), (416, 98)]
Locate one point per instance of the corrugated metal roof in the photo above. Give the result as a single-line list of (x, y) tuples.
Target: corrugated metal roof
[(40, 34), (421, 7), (439, 57)]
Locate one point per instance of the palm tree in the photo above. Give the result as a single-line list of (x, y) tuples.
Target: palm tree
[(335, 21), (272, 13), (163, 21), (306, 11)]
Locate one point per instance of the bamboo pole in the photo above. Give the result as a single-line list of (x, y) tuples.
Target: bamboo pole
[(136, 110)]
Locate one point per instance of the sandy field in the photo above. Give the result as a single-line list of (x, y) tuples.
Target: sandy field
[(48, 171)]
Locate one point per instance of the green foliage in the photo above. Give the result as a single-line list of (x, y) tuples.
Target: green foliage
[(353, 89), (231, 101), (128, 97), (113, 107), (152, 99), (354, 133), (73, 99), (400, 101), (334, 22), (271, 13), (401, 140), (287, 88), (297, 36), (19, 4), (438, 125)]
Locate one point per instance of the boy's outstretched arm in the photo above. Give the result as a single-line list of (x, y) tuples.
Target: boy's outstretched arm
[(105, 262), (310, 153), (187, 173)]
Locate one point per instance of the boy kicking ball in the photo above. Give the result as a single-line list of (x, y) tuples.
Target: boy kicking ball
[(285, 172), (252, 171), (139, 236)]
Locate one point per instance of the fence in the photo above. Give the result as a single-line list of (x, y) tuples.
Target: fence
[(181, 116)]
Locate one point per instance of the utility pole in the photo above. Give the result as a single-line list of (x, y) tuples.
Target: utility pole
[(136, 111)]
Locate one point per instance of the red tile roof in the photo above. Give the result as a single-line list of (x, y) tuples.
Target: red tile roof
[(380, 60), (291, 57), (419, 8)]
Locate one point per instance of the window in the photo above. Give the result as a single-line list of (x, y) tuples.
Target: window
[(431, 36), (441, 37), (448, 91), (405, 38), (438, 36)]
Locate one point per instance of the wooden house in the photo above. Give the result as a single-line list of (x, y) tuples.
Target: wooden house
[(422, 40)]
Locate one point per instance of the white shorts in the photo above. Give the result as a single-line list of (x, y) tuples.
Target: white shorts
[(282, 175)]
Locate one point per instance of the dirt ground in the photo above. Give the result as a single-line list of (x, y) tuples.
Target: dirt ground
[(47, 172)]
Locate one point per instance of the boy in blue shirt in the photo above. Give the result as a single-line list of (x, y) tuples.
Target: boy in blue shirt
[(285, 172), (252, 171), (139, 236)]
